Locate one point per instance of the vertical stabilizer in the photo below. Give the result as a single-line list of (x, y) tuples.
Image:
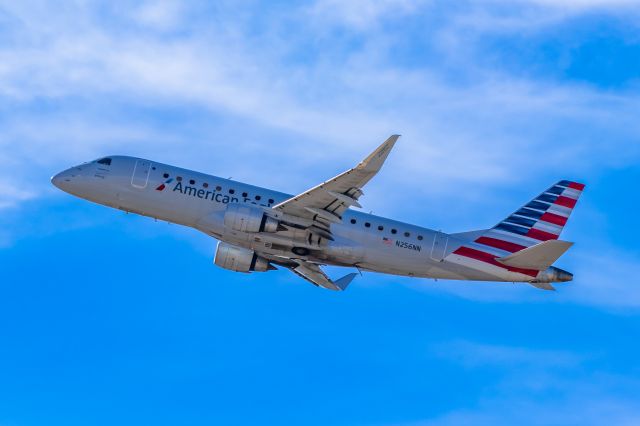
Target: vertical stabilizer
[(539, 221), (542, 219)]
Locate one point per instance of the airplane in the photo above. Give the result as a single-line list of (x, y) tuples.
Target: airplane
[(259, 229)]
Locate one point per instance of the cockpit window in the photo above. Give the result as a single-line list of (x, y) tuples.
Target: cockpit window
[(105, 161)]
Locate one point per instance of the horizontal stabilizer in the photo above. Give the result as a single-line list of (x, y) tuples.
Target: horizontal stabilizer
[(538, 257), (543, 286)]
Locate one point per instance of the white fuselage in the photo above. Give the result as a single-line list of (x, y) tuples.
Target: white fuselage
[(199, 201)]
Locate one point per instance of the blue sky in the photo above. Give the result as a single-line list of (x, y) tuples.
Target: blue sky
[(110, 318)]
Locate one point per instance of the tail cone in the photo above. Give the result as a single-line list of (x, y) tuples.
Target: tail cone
[(554, 275)]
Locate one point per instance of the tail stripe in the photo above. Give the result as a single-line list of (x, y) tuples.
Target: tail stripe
[(548, 227), (560, 210), (523, 221), (500, 244), (566, 202), (541, 235), (554, 218), (511, 237), (572, 193), (547, 198), (529, 213), (491, 259), (493, 251), (557, 190), (576, 185), (538, 206), (512, 228), (572, 185)]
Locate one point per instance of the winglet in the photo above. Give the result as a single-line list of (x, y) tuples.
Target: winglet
[(344, 282), (375, 161)]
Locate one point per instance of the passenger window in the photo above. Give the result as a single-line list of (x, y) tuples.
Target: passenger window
[(232, 191), (105, 161), (353, 221), (245, 195), (420, 237), (179, 178), (394, 231), (205, 185), (192, 182), (271, 201), (406, 234), (166, 175), (218, 188), (367, 225), (380, 228), (258, 198)]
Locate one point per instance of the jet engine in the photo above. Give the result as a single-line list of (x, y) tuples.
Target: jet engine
[(239, 259), (249, 219)]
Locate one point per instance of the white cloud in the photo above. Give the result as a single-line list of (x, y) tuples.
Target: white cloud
[(361, 14), (577, 409), (539, 387), (162, 15), (369, 101), (10, 195), (473, 355), (607, 279), (361, 100), (585, 4)]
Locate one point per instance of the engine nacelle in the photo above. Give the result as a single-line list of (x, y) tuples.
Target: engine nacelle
[(240, 259), (249, 219)]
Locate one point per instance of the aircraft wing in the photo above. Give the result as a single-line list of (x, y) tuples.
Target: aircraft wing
[(325, 203), (316, 276)]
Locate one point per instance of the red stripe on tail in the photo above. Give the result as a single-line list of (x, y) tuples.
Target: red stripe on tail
[(500, 244), (576, 185), (491, 259), (566, 202), (541, 235), (554, 218)]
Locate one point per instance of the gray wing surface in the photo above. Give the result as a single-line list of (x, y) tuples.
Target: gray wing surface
[(324, 204), (316, 276)]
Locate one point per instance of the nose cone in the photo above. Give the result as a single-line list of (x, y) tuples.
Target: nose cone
[(63, 180), (57, 180)]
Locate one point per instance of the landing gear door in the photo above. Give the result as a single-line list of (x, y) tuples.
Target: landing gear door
[(439, 248), (140, 177)]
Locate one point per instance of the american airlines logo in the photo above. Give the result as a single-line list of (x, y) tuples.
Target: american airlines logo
[(163, 185)]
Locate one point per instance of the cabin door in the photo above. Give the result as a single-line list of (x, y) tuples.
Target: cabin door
[(140, 176), (439, 248)]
